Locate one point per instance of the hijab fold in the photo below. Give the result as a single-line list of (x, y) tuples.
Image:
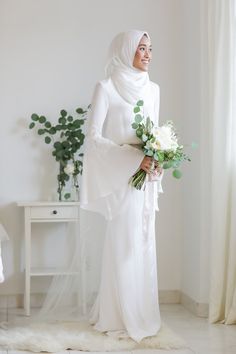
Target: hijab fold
[(132, 84)]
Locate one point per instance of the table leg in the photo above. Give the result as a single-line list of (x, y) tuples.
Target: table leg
[(27, 261)]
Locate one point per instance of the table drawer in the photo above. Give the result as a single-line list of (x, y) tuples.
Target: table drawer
[(50, 212)]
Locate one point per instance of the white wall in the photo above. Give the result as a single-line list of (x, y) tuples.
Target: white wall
[(52, 54)]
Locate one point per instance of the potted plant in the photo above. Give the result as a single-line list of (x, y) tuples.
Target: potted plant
[(67, 138)]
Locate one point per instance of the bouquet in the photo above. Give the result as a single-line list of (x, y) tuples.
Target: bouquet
[(160, 143)]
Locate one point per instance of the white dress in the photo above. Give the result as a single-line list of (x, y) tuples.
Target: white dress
[(127, 303)]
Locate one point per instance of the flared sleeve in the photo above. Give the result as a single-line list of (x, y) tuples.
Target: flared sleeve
[(107, 166), (158, 185)]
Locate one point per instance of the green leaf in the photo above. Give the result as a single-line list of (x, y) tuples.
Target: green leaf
[(66, 144), (35, 117), (134, 125), (80, 110), (52, 130), (57, 145), (67, 195), (41, 131), (140, 103), (160, 156), (32, 125), (42, 119), (63, 113), (167, 164), (149, 153), (47, 140), (138, 118), (144, 138), (139, 133), (70, 119), (177, 173), (156, 157), (48, 125), (62, 120), (136, 109)]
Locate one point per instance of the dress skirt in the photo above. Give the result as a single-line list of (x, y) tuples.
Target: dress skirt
[(127, 302)]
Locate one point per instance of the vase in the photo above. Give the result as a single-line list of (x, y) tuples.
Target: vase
[(70, 192)]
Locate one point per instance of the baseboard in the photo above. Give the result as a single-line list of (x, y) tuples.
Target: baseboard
[(165, 297), (169, 296), (197, 308)]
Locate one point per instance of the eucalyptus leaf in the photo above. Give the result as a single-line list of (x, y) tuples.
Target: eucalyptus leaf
[(48, 140), (57, 145), (149, 153), (136, 109), (177, 173), (156, 157), (80, 110), (134, 125), (167, 164), (42, 119), (63, 113), (139, 133), (48, 125), (144, 137), (32, 125), (138, 118), (41, 131), (35, 117), (62, 120), (140, 103), (52, 131)]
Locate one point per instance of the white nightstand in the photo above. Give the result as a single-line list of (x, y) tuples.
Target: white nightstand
[(43, 212)]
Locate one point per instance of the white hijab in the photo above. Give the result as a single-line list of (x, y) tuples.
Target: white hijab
[(132, 84)]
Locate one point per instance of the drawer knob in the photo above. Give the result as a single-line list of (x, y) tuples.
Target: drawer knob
[(54, 212)]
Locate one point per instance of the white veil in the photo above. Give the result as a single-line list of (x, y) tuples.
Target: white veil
[(71, 295), (131, 83)]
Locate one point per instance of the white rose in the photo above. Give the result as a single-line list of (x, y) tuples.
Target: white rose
[(69, 169), (165, 138)]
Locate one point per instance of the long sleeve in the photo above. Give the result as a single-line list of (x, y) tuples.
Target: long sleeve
[(159, 188), (107, 166)]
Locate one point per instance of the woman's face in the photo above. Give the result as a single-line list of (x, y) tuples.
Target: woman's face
[(143, 54)]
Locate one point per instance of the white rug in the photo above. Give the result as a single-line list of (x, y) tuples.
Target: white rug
[(80, 336)]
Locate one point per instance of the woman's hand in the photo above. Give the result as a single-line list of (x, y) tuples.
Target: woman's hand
[(147, 165), (158, 168)]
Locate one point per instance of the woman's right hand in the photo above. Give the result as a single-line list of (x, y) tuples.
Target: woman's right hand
[(146, 164)]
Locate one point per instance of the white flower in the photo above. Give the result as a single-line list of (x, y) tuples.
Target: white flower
[(165, 138), (69, 169)]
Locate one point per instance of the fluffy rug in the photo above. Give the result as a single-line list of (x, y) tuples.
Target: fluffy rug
[(80, 336)]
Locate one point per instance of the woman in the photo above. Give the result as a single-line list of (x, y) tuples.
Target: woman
[(127, 302)]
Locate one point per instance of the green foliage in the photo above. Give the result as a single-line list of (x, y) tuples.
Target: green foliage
[(149, 143), (177, 173), (67, 138)]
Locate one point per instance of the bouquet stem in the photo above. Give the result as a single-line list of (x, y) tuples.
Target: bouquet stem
[(138, 179)]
